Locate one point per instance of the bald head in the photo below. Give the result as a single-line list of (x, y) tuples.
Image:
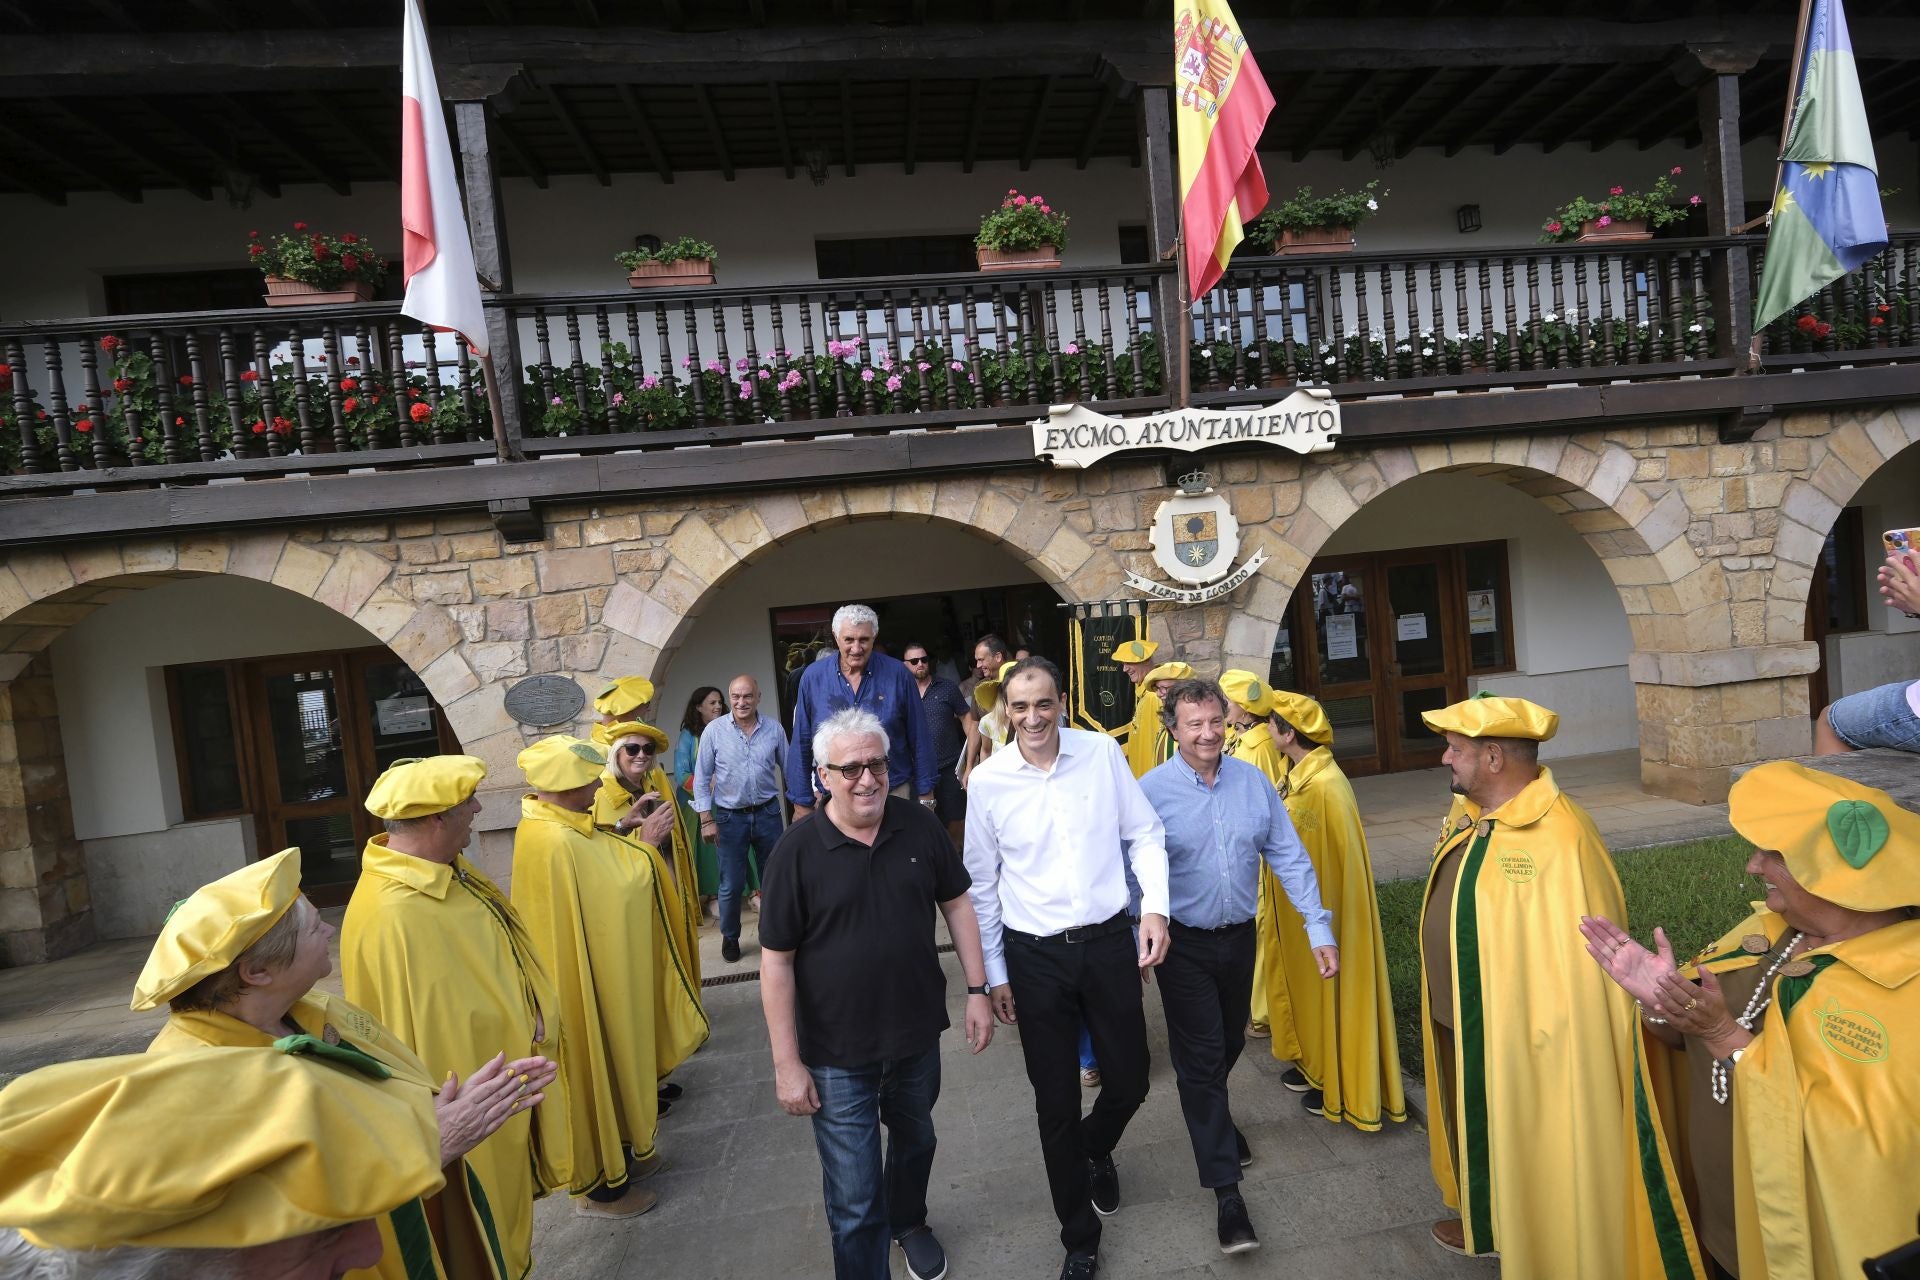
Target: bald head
[(743, 698)]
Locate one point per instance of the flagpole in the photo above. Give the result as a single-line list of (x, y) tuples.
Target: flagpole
[(1786, 115), (502, 450), (1184, 336)]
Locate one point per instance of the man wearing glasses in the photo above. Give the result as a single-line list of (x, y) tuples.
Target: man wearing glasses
[(950, 726), (1053, 828), (874, 683), (855, 998)]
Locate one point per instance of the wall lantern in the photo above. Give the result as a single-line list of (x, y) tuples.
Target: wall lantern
[(1467, 218)]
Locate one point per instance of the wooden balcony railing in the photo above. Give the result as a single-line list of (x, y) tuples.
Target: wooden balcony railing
[(184, 398)]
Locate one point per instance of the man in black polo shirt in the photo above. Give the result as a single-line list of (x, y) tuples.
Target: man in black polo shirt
[(854, 997)]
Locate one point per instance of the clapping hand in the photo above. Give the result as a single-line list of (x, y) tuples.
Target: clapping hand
[(1637, 970), (470, 1111)]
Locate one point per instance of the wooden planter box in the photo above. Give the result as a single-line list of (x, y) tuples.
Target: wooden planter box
[(1627, 229), (668, 275), (1314, 240), (1018, 259), (291, 293)]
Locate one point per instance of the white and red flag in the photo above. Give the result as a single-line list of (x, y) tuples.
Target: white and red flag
[(442, 289)]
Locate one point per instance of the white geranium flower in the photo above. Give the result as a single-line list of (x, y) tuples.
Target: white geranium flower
[(1206, 353), (1696, 328), (1550, 317), (1426, 351), (1373, 206), (1328, 360)]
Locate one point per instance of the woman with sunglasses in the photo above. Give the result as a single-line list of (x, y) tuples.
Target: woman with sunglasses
[(705, 706)]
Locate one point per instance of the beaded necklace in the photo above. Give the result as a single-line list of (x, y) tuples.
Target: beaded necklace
[(1756, 1005)]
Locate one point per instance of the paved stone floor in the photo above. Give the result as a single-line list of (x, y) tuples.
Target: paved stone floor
[(741, 1192)]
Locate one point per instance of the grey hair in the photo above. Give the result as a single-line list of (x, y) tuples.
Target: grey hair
[(854, 615), (849, 722), (20, 1259)]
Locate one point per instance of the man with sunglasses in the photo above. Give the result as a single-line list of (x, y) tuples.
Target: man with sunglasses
[(950, 726), (855, 998)]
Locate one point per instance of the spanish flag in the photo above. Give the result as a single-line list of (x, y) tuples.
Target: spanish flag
[(1223, 105)]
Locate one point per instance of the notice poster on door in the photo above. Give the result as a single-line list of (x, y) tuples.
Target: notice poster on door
[(1412, 626), (1341, 637), (397, 717), (1482, 616)]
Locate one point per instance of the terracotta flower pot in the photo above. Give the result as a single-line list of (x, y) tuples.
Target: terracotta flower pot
[(666, 275), (1313, 240), (1628, 229), (292, 293), (1018, 259)]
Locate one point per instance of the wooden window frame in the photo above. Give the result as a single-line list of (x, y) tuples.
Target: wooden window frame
[(1506, 612)]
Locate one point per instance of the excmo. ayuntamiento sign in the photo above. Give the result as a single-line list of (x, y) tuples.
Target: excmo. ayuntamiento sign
[(1075, 435)]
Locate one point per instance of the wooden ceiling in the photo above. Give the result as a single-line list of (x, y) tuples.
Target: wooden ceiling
[(123, 96)]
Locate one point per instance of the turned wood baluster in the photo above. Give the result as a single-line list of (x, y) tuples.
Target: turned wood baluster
[(430, 345), (732, 410), (545, 365), (242, 437), (1363, 321), (1048, 305), (302, 394), (843, 379), (1558, 285), (1483, 270), (1535, 361), (1512, 331), (172, 446), (469, 414), (664, 336), (1909, 287), (57, 407), (1460, 311), (696, 370), (970, 319), (1231, 303), (1702, 296), (399, 390), (1289, 355), (263, 387), (202, 412), (1390, 323), (808, 351), (94, 413), (755, 362), (636, 362), (336, 395), (1109, 348), (1339, 327), (137, 427), (577, 369), (781, 358), (604, 332), (901, 360), (921, 355), (943, 328), (1675, 324), (1410, 278), (1002, 348), (1609, 338), (23, 410), (1086, 340), (1260, 374), (1130, 292), (1029, 355), (868, 400)]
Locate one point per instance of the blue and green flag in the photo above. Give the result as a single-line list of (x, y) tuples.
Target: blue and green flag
[(1827, 218)]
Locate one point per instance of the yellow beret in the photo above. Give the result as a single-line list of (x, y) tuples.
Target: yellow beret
[(1168, 671), (628, 693), (1306, 716), (1247, 690), (207, 931), (633, 729), (561, 763), (426, 786), (1135, 651), (208, 1148), (1847, 843), (1489, 716), (987, 692)]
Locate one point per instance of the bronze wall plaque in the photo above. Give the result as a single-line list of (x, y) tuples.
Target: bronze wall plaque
[(545, 700)]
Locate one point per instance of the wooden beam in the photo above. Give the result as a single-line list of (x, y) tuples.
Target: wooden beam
[(313, 13), (676, 15), (780, 126), (588, 11), (758, 10), (981, 91), (1535, 79), (116, 13), (846, 124), (283, 135), (581, 142), (53, 158), (183, 119), (1036, 121), (16, 17), (719, 137), (131, 134), (383, 153), (1109, 95), (913, 125), (521, 156), (1544, 126), (1408, 89), (214, 12), (1618, 120), (1343, 98), (499, 12), (1432, 121), (649, 137)]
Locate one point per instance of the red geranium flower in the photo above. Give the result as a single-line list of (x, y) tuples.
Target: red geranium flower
[(376, 397), (179, 422), (83, 424), (250, 375), (350, 238), (1822, 329), (1885, 307), (320, 251), (351, 261), (253, 235), (349, 384), (420, 412), (299, 226), (281, 426), (186, 379), (416, 393), (350, 359), (1876, 320), (122, 385), (1805, 324), (256, 251), (111, 343), (259, 428), (352, 403)]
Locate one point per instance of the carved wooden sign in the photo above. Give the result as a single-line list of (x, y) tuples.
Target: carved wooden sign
[(1074, 435)]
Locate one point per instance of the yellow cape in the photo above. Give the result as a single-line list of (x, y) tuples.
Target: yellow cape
[(1826, 1105), (599, 914), (1143, 734), (1344, 1026), (1256, 746), (1542, 1129), (437, 954), (611, 805), (411, 1251)]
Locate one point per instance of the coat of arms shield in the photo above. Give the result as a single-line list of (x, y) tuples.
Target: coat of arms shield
[(1195, 536)]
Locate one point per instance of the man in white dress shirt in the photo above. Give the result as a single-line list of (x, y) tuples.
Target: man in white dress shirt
[(1051, 829)]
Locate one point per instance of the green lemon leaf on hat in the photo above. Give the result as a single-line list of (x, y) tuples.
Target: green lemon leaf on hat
[(1484, 693), (587, 753), (1858, 829)]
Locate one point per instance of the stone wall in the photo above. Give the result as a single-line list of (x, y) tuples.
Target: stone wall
[(44, 899)]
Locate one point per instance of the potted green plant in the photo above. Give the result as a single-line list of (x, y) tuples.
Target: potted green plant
[(1620, 215), (306, 268), (1306, 223), (685, 261), (1023, 234)]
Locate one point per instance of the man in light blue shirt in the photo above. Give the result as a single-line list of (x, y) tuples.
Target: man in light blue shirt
[(737, 776), (865, 678), (1222, 817)]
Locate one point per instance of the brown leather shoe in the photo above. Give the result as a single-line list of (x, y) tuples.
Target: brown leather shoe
[(631, 1205), (1451, 1234)]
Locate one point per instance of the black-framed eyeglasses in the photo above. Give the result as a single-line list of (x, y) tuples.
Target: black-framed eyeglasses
[(852, 772), (638, 748), (920, 661)]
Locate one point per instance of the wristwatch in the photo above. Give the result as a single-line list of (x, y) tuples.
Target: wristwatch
[(985, 988)]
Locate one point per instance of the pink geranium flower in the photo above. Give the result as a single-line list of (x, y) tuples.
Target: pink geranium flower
[(1605, 221), (866, 375), (1616, 191), (893, 383)]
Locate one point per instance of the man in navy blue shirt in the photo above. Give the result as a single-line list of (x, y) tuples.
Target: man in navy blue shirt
[(950, 727), (872, 682)]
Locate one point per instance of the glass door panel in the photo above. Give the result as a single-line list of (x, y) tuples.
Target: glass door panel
[(1419, 643), (403, 720), (1340, 626), (1422, 674), (309, 773)]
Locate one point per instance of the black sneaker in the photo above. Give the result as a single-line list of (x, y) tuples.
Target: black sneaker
[(1241, 1148), (1080, 1266), (730, 949), (1236, 1229), (1104, 1185), (670, 1092), (1294, 1080), (1315, 1102), (926, 1260)]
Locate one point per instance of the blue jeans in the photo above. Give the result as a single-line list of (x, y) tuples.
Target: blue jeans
[(870, 1200), (1087, 1061), (1880, 717), (734, 830)]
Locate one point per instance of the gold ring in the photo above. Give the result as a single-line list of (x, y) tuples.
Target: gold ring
[(1688, 1008)]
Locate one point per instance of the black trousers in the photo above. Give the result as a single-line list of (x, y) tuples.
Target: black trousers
[(1058, 987), (1206, 987)]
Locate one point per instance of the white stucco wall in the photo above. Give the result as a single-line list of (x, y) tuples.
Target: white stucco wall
[(136, 879), (1571, 638), (108, 676), (1889, 649)]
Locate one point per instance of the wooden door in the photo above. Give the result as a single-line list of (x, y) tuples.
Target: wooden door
[(309, 795), (1423, 665), (1338, 656)]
